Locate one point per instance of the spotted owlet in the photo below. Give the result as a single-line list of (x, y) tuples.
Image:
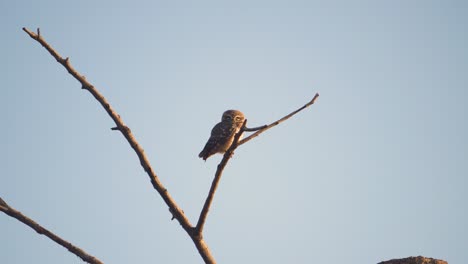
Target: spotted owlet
[(223, 134)]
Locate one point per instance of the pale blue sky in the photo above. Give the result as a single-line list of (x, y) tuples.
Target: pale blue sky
[(377, 169)]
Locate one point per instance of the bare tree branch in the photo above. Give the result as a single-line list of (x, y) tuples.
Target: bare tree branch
[(214, 185), (4, 207), (195, 233), (228, 155), (126, 132), (266, 127)]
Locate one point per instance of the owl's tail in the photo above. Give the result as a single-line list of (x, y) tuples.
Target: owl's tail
[(203, 154)]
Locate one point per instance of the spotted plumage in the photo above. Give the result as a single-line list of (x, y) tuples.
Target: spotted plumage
[(223, 134)]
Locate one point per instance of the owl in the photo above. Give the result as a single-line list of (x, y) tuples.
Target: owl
[(223, 134)]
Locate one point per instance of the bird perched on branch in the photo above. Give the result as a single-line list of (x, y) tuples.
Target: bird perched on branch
[(223, 134)]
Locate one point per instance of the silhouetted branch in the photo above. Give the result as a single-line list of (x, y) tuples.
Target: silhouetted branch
[(214, 185), (266, 127), (126, 132), (4, 207)]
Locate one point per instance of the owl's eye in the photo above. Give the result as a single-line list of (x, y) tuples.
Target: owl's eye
[(238, 118), (227, 117)]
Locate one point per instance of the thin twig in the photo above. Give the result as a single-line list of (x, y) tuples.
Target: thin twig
[(266, 127), (254, 128), (126, 132), (4, 207), (214, 185), (228, 155)]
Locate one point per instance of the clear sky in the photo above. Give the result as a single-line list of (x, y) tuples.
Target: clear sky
[(376, 169)]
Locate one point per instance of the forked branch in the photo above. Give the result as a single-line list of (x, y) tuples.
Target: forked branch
[(228, 155), (195, 233), (177, 213), (4, 207), (214, 185)]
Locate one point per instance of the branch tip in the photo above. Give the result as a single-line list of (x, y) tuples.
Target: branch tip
[(277, 122), (315, 98), (31, 34)]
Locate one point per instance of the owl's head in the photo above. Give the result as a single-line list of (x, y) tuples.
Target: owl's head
[(233, 116)]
